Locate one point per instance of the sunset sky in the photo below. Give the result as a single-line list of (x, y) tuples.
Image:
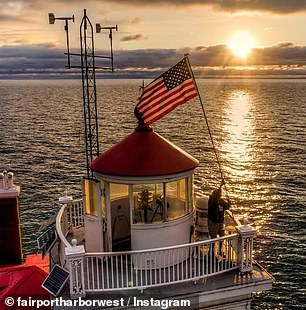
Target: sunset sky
[(221, 36)]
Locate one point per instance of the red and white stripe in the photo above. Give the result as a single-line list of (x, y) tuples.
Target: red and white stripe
[(157, 101)]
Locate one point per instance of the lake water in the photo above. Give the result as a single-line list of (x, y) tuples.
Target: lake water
[(259, 127)]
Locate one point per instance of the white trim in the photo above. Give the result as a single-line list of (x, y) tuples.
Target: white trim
[(172, 247), (167, 223), (108, 217), (58, 226), (144, 179), (131, 202)]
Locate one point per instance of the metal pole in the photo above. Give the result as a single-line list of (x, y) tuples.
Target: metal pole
[(111, 43), (209, 131), (84, 94), (67, 41)]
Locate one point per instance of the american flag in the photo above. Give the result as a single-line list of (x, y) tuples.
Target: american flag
[(171, 89)]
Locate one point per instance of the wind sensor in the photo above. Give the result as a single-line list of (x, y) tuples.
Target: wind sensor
[(52, 20), (98, 30), (88, 68)]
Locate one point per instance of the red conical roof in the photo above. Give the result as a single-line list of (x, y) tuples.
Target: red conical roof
[(144, 153)]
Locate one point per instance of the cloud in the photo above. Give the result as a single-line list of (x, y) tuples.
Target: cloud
[(285, 45), (136, 20), (218, 55), (133, 37), (45, 59), (271, 6), (281, 54), (120, 22), (17, 60)]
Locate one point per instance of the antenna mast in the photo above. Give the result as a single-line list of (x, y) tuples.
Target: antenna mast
[(89, 91), (88, 68)]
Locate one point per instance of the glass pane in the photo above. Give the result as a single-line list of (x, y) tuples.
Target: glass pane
[(102, 187), (182, 189), (176, 199), (90, 197), (148, 203), (120, 215), (190, 194), (119, 199), (118, 191)]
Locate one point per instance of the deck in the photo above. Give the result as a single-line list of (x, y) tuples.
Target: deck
[(207, 271), (232, 289)]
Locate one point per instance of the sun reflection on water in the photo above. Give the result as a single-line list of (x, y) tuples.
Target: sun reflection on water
[(243, 160), (239, 127)]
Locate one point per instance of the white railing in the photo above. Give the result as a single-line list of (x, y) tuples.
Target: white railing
[(113, 271), (62, 226), (70, 216), (75, 213), (158, 267)]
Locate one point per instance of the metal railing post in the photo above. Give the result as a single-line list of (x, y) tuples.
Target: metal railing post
[(75, 260), (245, 246)]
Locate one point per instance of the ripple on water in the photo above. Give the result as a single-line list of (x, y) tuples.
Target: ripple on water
[(259, 130)]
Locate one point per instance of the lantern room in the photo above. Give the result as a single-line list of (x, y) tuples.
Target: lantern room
[(142, 196)]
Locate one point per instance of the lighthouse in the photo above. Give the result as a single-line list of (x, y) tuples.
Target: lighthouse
[(144, 195)]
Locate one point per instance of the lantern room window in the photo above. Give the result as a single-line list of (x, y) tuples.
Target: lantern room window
[(119, 201), (92, 190), (148, 203), (176, 199), (158, 202), (118, 191), (91, 196), (120, 215)]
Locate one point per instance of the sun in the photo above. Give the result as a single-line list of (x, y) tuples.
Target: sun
[(241, 44)]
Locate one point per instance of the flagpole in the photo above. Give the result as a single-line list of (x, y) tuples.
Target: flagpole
[(206, 120)]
